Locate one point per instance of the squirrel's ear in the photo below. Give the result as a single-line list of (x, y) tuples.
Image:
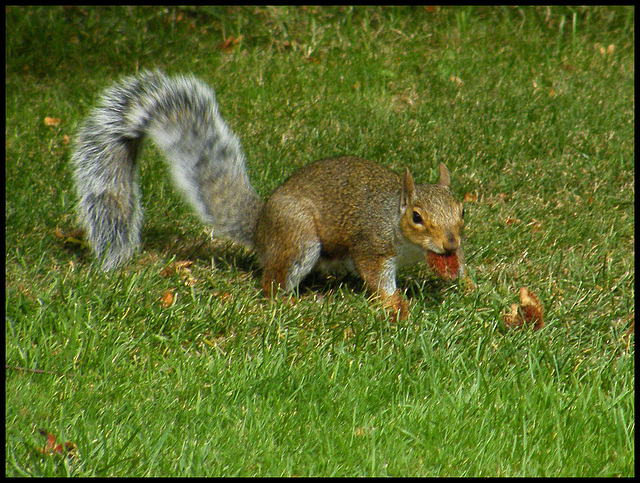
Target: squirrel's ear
[(445, 178), (408, 190)]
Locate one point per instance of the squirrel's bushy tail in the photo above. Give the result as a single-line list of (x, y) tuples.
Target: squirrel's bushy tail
[(181, 115)]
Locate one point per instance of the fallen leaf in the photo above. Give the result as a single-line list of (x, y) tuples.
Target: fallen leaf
[(529, 312), (51, 448), (531, 308), (168, 299), (52, 121), (229, 43), (513, 318), (176, 267), (470, 197), (224, 296)]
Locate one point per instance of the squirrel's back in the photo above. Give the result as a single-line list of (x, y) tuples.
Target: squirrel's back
[(180, 114), (349, 194), (354, 197)]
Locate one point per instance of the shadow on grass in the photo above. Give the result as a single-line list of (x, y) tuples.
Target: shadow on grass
[(173, 243)]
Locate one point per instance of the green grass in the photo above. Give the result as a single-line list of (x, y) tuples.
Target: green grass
[(532, 110)]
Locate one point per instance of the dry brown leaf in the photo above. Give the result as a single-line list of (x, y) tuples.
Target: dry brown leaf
[(529, 312), (224, 296), (180, 268), (51, 448), (168, 299), (52, 121), (229, 43), (513, 318), (470, 197), (176, 267)]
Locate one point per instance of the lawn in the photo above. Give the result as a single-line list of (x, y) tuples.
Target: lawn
[(176, 364)]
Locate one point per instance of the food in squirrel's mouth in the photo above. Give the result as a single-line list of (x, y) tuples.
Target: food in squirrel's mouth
[(446, 266)]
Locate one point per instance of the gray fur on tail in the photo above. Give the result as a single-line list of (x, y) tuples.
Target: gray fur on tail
[(180, 114)]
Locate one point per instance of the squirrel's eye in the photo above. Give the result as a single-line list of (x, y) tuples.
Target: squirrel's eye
[(417, 219), (462, 212)]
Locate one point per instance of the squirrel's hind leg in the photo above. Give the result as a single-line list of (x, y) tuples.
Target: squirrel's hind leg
[(288, 243), (287, 271)]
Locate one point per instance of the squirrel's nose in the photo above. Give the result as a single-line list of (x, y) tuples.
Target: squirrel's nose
[(451, 243)]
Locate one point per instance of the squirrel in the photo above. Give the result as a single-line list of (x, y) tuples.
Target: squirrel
[(346, 211)]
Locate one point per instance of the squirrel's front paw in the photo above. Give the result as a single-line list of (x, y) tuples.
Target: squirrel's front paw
[(398, 305)]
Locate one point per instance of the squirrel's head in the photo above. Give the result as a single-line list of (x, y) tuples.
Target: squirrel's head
[(431, 217)]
